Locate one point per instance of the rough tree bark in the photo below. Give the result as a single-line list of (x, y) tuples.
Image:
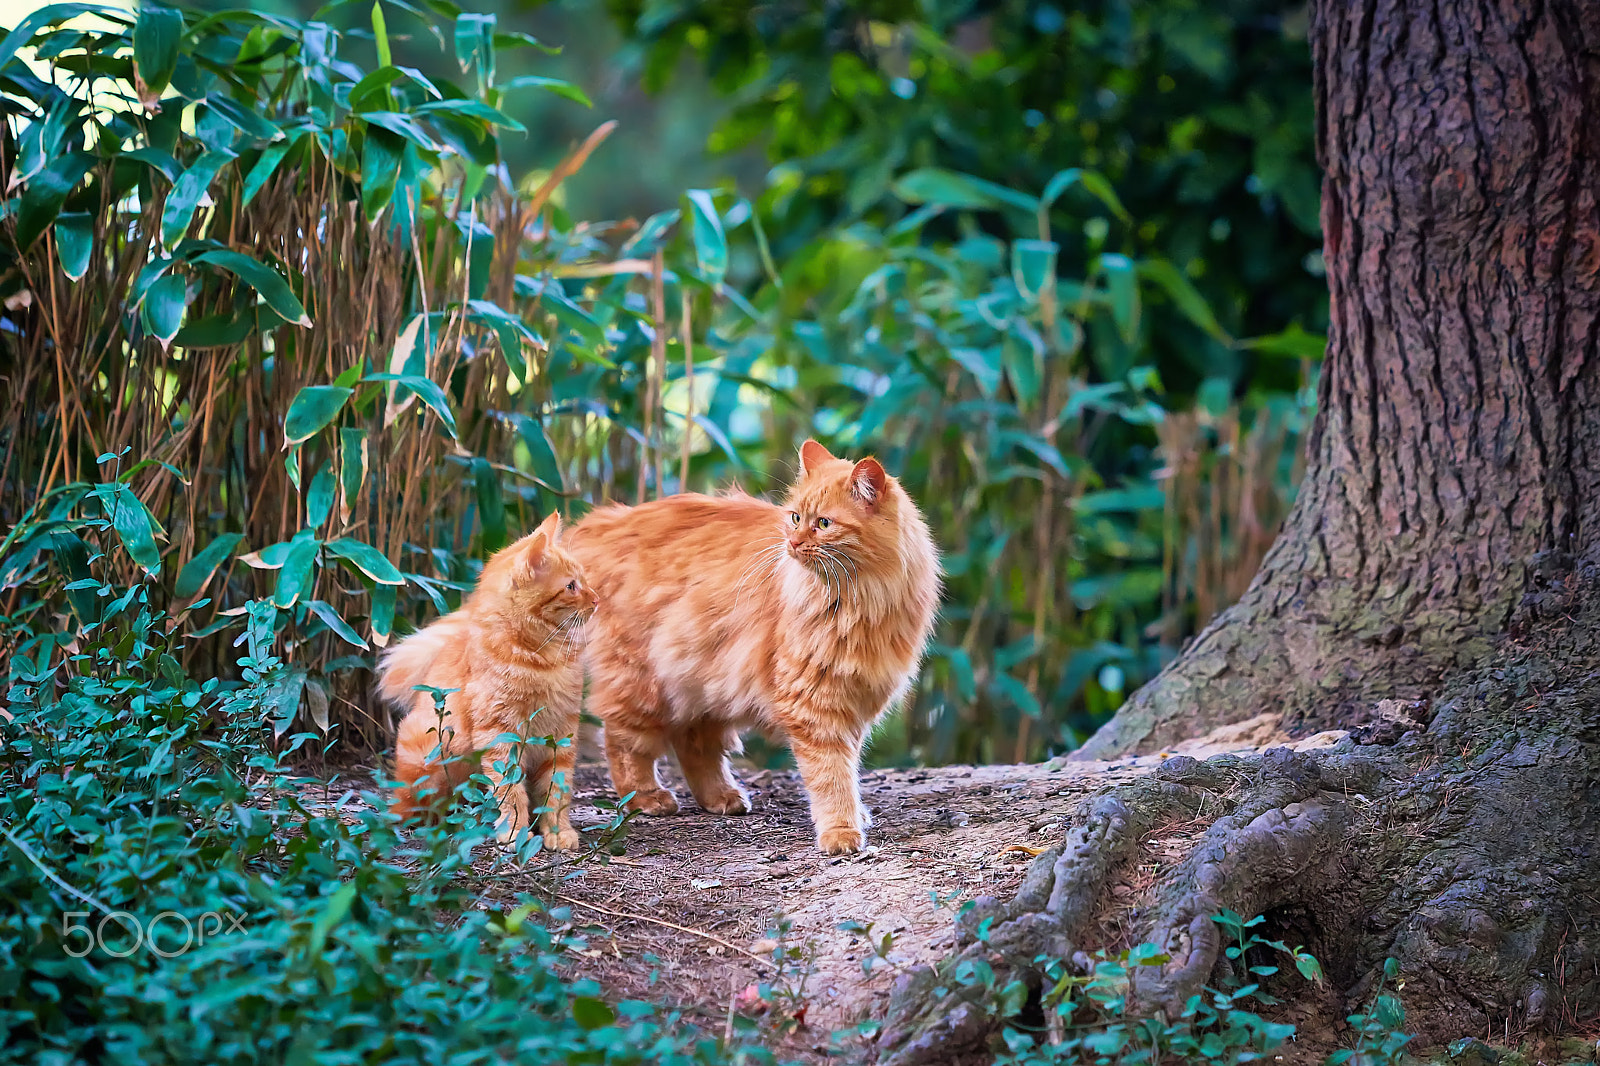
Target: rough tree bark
[(1437, 587)]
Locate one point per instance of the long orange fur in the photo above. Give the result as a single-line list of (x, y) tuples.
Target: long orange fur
[(805, 620), (511, 653)]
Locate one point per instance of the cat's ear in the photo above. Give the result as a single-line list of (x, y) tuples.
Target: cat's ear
[(813, 455), (551, 527), (868, 482)]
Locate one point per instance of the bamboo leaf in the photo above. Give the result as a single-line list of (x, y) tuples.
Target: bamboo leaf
[(187, 193), (551, 85), (135, 526), (334, 621), (367, 559), (426, 391), (199, 569), (382, 620), (263, 279), (352, 468), (381, 153), (313, 407), (74, 232), (319, 500), (298, 573), (710, 243), (1122, 286), (491, 504), (163, 307), (934, 185)]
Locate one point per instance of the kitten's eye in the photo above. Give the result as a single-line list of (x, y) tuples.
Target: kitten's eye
[(794, 516), (572, 586), (823, 523)]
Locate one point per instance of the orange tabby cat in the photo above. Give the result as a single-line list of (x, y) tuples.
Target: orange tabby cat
[(511, 656), (806, 620)]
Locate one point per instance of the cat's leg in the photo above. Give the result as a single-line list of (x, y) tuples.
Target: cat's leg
[(512, 797), (632, 754), (551, 787), (828, 764), (703, 756)]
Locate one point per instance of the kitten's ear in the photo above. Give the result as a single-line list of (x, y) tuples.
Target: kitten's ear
[(533, 552), (813, 455), (551, 527), (868, 482)]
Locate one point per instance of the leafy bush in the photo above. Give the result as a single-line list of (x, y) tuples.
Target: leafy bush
[(171, 894), (329, 353)]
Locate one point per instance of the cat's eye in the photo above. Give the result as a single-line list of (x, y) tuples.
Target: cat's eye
[(823, 523), (572, 586), (794, 516)]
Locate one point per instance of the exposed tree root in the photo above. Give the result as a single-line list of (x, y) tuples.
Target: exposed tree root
[(1466, 845)]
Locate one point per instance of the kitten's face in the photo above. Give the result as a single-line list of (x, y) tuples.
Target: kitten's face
[(839, 514), (536, 579)]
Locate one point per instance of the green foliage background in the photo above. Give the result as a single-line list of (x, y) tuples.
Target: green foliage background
[(306, 311)]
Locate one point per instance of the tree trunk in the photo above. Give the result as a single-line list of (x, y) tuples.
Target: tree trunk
[(1457, 437), (1436, 588)]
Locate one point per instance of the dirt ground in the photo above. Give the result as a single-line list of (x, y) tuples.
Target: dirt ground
[(682, 911)]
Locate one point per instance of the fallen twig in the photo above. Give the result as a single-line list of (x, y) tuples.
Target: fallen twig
[(666, 925)]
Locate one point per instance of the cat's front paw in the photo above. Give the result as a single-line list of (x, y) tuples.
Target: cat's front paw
[(561, 839), (842, 840), (734, 801), (655, 801)]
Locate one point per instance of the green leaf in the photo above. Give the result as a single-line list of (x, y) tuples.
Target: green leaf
[(570, 315), (198, 570), (380, 34), (74, 233), (383, 600), (163, 307), (352, 468), (298, 573), (491, 504), (187, 192), (541, 453), (319, 500), (511, 331), (471, 109), (1092, 181), (426, 391), (333, 913), (710, 243), (1016, 693), (474, 39), (381, 153), (1184, 296), (45, 192), (592, 1013), (135, 526), (262, 172), (313, 407), (54, 15), (1137, 498), (1294, 343), (367, 559), (266, 281), (934, 185), (552, 85), (335, 622), (1122, 286), (961, 668), (1033, 266)]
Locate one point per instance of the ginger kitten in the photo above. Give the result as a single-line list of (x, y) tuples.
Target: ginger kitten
[(805, 620), (511, 655)]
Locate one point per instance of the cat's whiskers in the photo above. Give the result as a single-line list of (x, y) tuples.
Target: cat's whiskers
[(848, 569)]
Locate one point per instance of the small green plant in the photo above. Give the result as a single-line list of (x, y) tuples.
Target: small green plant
[(169, 893), (1380, 1038)]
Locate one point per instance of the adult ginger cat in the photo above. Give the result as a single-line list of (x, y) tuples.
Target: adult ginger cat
[(805, 620), (511, 655)]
